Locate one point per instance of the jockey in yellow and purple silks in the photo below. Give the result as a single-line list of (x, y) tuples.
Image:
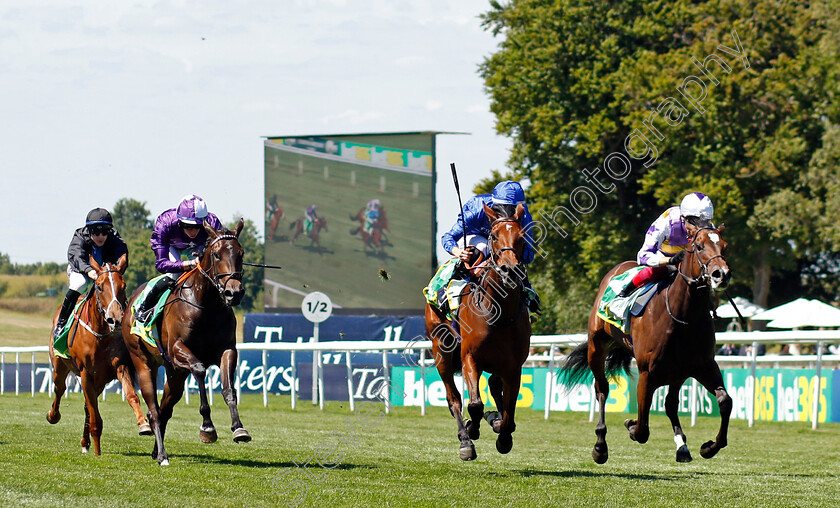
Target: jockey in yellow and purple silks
[(666, 239), (476, 227)]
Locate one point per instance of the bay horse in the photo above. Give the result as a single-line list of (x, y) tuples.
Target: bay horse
[(495, 332), (97, 353), (197, 330), (275, 215), (672, 340), (319, 224)]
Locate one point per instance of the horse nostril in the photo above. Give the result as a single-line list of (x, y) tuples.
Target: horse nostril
[(716, 275)]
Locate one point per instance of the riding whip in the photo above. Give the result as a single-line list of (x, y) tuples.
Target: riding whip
[(460, 205), (740, 317), (262, 266)]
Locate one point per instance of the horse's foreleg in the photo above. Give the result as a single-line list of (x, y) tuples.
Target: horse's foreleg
[(671, 403), (510, 389), (712, 380), (228, 370), (60, 371), (183, 357), (475, 407), (446, 369), (92, 412), (639, 430), (124, 375)]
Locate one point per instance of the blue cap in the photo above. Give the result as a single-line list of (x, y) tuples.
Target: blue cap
[(508, 193)]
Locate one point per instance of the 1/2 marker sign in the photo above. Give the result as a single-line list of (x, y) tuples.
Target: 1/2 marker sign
[(316, 307)]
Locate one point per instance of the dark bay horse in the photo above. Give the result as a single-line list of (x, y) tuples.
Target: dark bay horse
[(495, 333), (97, 353), (197, 330), (672, 340), (319, 224)]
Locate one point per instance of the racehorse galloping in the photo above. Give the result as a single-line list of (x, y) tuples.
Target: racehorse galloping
[(97, 353), (495, 335), (318, 224), (673, 339), (197, 330)]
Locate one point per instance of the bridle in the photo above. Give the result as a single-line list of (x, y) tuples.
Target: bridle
[(103, 312), (704, 267), (703, 277), (216, 279), (493, 265)]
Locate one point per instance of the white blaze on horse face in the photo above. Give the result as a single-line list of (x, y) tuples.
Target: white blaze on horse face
[(714, 237), (508, 227)]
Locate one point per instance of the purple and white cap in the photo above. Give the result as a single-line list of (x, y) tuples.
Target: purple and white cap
[(699, 205), (192, 210)]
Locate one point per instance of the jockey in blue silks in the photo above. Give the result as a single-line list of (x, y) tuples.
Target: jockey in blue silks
[(504, 199)]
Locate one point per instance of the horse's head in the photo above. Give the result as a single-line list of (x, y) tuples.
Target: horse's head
[(708, 262), (222, 263), (507, 244), (109, 289), (322, 222)]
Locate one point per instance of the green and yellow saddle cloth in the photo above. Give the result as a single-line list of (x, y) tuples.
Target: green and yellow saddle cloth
[(149, 332), (616, 310), (307, 225), (60, 343), (445, 289)]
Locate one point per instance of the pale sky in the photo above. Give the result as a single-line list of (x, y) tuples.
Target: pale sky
[(154, 100)]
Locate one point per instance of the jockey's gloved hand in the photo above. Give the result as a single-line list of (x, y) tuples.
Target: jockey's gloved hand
[(676, 258)]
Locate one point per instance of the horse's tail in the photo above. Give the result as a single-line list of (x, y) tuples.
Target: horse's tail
[(618, 360), (576, 368)]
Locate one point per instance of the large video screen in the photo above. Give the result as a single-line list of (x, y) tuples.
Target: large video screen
[(369, 246)]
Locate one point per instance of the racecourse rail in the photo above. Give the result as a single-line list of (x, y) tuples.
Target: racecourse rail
[(553, 342)]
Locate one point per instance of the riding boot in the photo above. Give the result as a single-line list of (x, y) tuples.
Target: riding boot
[(147, 308), (533, 297), (66, 308), (628, 289)]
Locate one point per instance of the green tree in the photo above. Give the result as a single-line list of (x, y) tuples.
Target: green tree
[(132, 220), (575, 82)]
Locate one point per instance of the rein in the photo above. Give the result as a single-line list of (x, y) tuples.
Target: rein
[(492, 265), (216, 279), (692, 281)]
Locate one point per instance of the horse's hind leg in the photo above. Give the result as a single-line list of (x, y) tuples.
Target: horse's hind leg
[(172, 393), (475, 406), (60, 371), (671, 404), (147, 377), (228, 371), (596, 357), (712, 380), (124, 376), (494, 418), (510, 389)]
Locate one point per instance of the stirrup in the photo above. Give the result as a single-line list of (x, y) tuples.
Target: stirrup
[(143, 315), (59, 327)]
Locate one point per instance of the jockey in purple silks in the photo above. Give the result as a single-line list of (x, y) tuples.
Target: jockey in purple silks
[(506, 195), (98, 238), (666, 239), (177, 240)]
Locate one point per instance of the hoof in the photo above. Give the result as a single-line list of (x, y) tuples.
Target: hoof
[(467, 452), (85, 449), (241, 435), (504, 443), (683, 455), (53, 418), (208, 435), (600, 454), (630, 425), (145, 430), (708, 450), (494, 419)]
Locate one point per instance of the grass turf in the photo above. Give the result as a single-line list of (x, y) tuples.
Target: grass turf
[(401, 460)]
